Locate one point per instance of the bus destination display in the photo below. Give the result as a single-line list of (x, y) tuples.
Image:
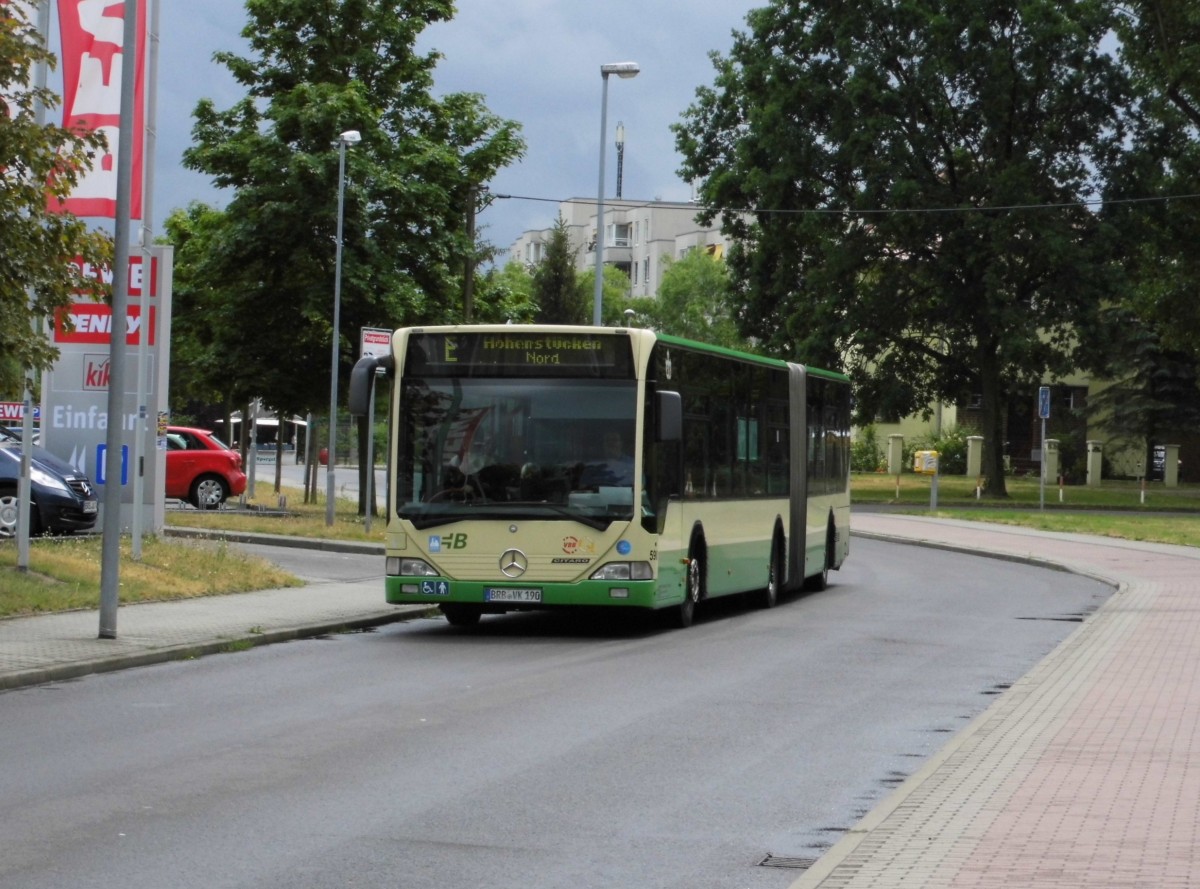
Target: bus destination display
[(519, 354)]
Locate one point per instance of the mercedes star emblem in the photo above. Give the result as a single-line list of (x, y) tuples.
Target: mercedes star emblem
[(513, 563)]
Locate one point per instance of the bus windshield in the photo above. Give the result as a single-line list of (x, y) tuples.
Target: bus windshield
[(497, 447)]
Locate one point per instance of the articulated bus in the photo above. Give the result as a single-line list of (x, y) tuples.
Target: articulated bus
[(537, 466)]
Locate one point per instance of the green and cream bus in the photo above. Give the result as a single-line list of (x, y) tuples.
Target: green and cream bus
[(540, 466)]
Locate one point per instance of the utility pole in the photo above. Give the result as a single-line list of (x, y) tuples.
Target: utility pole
[(110, 553), (469, 271)]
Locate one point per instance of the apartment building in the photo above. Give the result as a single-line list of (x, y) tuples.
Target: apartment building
[(637, 235)]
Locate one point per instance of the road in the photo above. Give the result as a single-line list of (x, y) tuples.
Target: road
[(534, 751), (345, 478)]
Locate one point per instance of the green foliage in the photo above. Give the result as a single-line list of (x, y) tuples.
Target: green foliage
[(556, 291), (866, 454), (207, 342), (38, 167), (315, 69), (615, 298), (1157, 397), (695, 300), (880, 144), (1159, 41), (506, 294)]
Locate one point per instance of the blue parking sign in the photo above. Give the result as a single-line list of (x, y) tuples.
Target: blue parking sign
[(101, 451), (1044, 402)]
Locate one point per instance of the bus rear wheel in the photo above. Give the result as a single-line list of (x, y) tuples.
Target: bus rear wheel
[(768, 596), (461, 615), (819, 582)]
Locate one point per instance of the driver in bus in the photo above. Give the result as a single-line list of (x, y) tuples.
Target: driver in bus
[(614, 469)]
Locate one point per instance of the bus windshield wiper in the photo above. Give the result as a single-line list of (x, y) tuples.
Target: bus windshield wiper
[(599, 523)]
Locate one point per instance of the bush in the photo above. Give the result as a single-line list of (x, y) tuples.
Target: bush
[(865, 453)]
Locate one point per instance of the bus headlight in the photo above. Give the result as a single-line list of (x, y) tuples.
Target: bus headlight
[(397, 566), (623, 571)]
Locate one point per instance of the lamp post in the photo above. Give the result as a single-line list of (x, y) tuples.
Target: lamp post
[(624, 70), (350, 137)]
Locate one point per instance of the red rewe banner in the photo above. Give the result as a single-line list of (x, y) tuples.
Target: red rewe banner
[(137, 274), (92, 57)]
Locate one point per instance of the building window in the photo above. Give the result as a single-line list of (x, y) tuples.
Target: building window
[(619, 234)]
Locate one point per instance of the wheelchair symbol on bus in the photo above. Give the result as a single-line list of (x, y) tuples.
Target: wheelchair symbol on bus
[(435, 588)]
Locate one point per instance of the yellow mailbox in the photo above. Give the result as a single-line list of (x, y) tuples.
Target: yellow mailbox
[(925, 462)]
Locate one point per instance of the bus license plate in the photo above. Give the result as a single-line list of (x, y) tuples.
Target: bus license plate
[(511, 594)]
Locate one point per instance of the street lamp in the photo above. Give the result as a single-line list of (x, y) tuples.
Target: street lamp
[(350, 137), (623, 70)]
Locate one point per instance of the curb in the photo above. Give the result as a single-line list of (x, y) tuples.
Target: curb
[(317, 543)]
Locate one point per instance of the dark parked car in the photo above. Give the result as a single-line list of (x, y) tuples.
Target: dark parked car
[(64, 500), (201, 468)]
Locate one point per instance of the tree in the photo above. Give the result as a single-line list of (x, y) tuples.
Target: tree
[(318, 68), (555, 289), (918, 175), (506, 294), (695, 301), (1159, 42), (38, 164), (614, 298), (206, 336), (1156, 401)]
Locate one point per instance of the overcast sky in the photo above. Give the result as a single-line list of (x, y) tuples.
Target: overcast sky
[(535, 61)]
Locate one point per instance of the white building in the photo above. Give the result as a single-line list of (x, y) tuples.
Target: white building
[(638, 234)]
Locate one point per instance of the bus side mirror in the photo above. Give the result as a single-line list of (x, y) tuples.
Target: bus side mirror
[(670, 416), (362, 382)]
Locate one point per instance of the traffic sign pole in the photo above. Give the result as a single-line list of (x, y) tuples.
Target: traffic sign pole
[(1044, 413)]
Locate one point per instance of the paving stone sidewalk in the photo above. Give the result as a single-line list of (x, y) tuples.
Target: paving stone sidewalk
[(1085, 773)]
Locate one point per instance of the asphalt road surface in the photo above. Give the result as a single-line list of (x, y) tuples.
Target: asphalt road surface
[(533, 751)]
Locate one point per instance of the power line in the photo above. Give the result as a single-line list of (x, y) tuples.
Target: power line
[(816, 211)]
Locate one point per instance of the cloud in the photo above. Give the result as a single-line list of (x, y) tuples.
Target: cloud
[(535, 61)]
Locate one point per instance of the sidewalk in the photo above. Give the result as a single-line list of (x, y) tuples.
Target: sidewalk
[(1086, 773)]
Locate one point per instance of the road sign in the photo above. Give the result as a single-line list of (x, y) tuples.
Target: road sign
[(375, 341), (1044, 402)]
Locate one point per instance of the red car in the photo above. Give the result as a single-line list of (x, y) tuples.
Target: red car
[(201, 468)]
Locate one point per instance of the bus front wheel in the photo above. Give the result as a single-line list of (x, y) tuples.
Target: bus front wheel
[(683, 614)]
